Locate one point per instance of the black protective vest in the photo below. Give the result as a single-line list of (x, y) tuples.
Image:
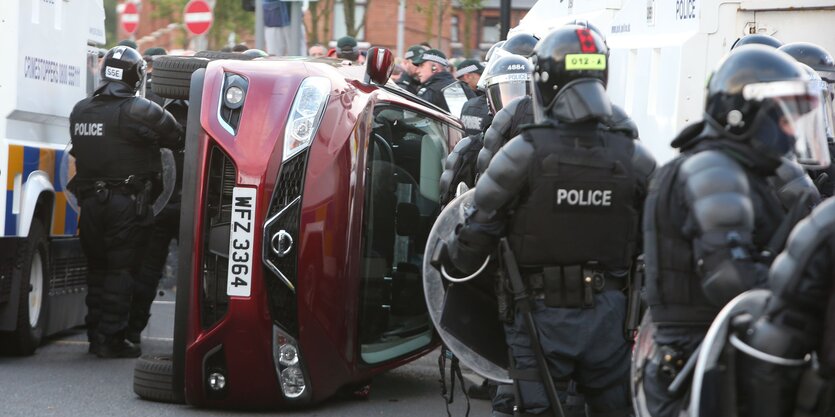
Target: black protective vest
[(580, 206), (105, 148), (673, 285)]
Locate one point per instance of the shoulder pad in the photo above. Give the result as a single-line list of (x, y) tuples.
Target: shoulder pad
[(805, 238), (621, 122), (505, 176), (717, 191), (791, 183), (642, 160)]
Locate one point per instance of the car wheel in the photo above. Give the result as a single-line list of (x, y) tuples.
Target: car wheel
[(153, 379), (213, 55), (33, 302), (172, 75)]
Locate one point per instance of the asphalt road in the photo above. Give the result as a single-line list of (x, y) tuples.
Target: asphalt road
[(62, 379)]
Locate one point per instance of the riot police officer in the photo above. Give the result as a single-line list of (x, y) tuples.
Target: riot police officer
[(799, 319), (116, 138), (433, 75), (820, 61), (475, 115), (712, 218), (567, 193), (408, 79)]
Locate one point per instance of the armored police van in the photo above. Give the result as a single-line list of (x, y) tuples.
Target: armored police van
[(662, 51), (50, 50)]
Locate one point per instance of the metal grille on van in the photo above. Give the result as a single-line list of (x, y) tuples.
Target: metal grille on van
[(69, 275), (217, 212), (284, 215)]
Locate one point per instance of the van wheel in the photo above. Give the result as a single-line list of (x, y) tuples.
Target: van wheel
[(33, 305), (153, 379), (172, 75)]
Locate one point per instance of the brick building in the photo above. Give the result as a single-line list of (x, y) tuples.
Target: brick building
[(462, 32)]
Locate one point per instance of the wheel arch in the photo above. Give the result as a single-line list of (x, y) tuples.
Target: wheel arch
[(37, 199)]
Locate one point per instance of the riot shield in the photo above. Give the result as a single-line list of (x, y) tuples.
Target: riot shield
[(710, 373), (465, 314), (66, 172), (641, 353), (455, 98), (169, 179)]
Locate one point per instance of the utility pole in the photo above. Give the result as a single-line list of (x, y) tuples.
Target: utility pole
[(401, 27), (505, 18)]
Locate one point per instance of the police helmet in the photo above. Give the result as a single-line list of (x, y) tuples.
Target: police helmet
[(497, 45), (566, 54), (520, 44), (758, 39), (123, 64), (588, 25), (761, 96), (825, 97), (814, 56), (509, 78)]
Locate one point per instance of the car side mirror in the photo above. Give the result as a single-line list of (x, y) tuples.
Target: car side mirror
[(408, 219), (379, 64)]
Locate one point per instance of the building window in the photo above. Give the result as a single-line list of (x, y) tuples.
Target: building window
[(490, 32), (453, 34), (339, 28)]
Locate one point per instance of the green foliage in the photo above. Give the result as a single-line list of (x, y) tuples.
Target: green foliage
[(111, 20)]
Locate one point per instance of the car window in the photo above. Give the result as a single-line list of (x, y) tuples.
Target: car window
[(404, 163)]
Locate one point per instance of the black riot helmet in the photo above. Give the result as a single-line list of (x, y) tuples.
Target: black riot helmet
[(255, 53), (761, 96), (757, 39), (567, 54), (123, 64), (588, 25), (520, 44), (814, 56), (509, 78)]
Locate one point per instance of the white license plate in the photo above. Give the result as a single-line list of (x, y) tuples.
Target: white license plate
[(239, 277)]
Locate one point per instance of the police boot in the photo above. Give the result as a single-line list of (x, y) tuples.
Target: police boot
[(96, 341), (135, 326), (118, 347)]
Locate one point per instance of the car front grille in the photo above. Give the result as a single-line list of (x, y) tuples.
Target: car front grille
[(284, 215), (217, 209)]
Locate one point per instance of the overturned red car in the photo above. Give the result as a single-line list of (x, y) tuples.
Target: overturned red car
[(309, 189)]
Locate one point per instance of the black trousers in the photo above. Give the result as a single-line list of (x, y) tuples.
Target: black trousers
[(166, 227), (585, 345), (112, 235)]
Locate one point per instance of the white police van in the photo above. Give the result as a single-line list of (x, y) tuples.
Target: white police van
[(663, 51), (50, 56)]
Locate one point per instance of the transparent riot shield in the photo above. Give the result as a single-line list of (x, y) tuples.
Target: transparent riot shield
[(465, 314), (709, 366), (66, 172), (455, 98)]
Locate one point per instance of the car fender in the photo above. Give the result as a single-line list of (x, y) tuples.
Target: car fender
[(36, 184)]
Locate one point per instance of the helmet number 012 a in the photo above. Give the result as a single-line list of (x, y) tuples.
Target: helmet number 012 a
[(583, 62)]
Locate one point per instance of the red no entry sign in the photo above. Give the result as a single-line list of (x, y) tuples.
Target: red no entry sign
[(198, 17), (130, 18)]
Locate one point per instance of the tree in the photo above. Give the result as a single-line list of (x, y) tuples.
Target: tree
[(350, 8), (320, 14), (228, 17), (469, 6)]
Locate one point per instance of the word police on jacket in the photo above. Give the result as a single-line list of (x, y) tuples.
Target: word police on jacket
[(88, 129), (572, 197)]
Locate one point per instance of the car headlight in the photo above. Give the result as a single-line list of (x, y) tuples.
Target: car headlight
[(288, 365), (305, 114)]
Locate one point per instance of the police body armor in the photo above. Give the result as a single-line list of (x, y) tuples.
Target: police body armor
[(589, 212), (105, 149)]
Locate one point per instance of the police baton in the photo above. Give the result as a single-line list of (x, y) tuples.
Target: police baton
[(524, 305)]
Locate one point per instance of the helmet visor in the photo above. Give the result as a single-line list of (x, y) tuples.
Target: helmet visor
[(503, 89), (488, 68), (799, 109)]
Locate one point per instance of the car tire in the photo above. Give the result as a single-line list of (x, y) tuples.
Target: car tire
[(213, 55), (172, 75), (153, 379), (33, 305)]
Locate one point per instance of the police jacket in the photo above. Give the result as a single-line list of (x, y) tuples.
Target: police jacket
[(115, 134), (460, 166), (408, 83), (574, 188), (508, 122), (475, 115), (710, 219), (431, 90), (800, 316)]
